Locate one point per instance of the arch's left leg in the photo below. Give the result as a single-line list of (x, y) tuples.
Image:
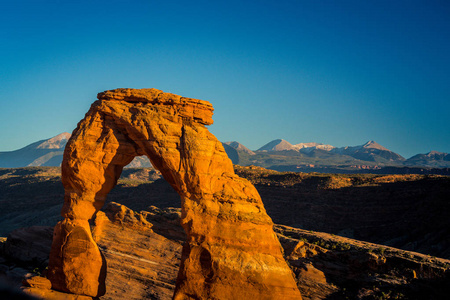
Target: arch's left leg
[(93, 160)]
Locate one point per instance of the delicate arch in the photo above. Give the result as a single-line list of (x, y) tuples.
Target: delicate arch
[(231, 251)]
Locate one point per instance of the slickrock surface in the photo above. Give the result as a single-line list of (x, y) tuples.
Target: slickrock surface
[(231, 250), (333, 267), (142, 264), (409, 212), (40, 287), (142, 251)]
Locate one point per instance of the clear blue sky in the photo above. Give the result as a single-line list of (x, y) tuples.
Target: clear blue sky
[(336, 72)]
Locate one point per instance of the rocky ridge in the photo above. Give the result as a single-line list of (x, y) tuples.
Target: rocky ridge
[(392, 210), (432, 158), (142, 250), (402, 211), (370, 157)]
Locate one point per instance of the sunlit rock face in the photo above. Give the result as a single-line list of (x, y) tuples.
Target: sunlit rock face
[(231, 251)]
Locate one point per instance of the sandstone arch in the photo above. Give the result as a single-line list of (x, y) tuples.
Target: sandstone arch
[(231, 251)]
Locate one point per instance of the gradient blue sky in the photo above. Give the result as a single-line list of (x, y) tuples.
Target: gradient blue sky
[(336, 72)]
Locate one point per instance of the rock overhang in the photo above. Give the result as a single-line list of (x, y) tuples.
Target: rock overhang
[(199, 111)]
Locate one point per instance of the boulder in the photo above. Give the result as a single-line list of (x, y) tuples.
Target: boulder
[(37, 282)]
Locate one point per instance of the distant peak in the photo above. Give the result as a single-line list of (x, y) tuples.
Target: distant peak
[(278, 141), (62, 136), (370, 143), (233, 144), (66, 134), (277, 145), (240, 147), (433, 152), (374, 145), (56, 142), (313, 145)]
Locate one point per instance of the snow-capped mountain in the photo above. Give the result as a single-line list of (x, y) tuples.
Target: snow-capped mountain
[(431, 159), (57, 142), (368, 145), (277, 152), (370, 151), (42, 153), (49, 153), (308, 147)]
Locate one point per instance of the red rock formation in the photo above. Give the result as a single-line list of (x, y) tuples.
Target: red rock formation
[(231, 250)]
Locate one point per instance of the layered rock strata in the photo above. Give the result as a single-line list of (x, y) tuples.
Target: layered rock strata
[(231, 250)]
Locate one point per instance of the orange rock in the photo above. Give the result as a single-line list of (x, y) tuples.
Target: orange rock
[(48, 294), (76, 264), (231, 250), (312, 274), (38, 282)]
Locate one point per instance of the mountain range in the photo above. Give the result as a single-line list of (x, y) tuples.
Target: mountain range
[(281, 155), (49, 153), (278, 154), (41, 153)]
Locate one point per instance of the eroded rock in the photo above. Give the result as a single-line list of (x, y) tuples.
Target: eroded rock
[(37, 282), (76, 264), (231, 250)]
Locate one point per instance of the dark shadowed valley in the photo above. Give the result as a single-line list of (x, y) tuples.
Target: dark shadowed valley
[(344, 236)]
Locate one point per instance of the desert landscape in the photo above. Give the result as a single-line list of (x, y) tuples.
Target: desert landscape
[(143, 254), (225, 150), (194, 226)]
